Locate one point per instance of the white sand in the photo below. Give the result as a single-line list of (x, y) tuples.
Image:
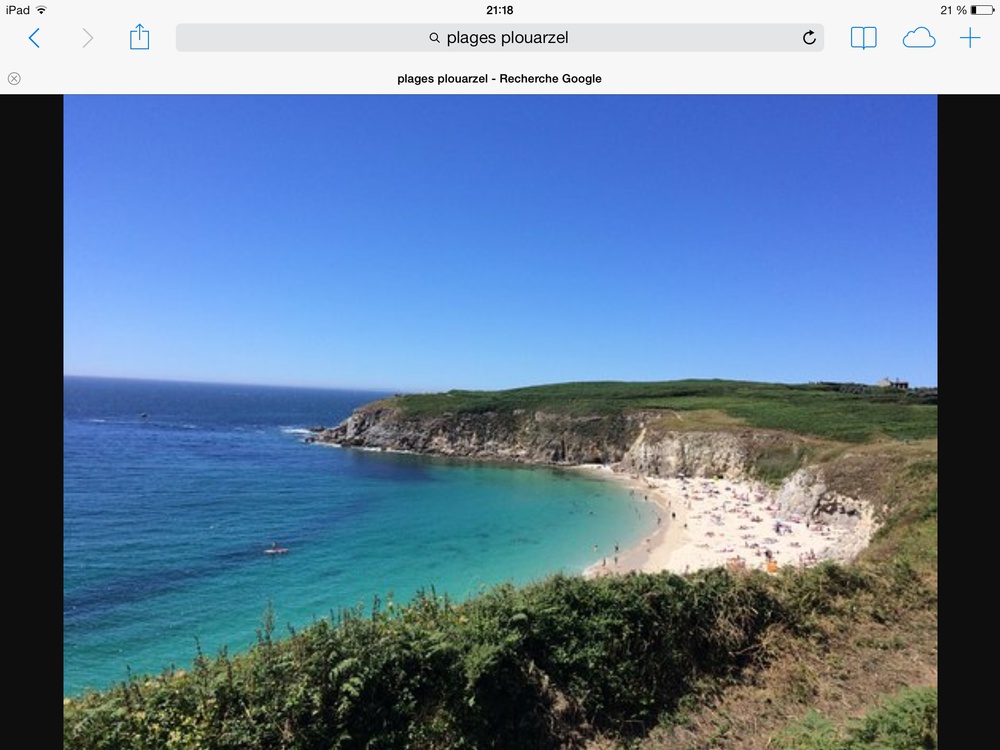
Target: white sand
[(709, 523)]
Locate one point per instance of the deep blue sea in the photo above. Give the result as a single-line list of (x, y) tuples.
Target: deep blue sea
[(172, 492)]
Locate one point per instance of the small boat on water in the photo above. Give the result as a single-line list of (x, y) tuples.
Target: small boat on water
[(274, 549)]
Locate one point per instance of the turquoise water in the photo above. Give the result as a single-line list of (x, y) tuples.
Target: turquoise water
[(172, 492)]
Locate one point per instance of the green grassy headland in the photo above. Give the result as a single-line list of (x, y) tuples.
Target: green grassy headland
[(838, 411)]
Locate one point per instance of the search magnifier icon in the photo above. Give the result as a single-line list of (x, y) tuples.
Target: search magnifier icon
[(434, 37)]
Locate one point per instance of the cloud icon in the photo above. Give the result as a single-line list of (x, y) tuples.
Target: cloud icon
[(919, 37)]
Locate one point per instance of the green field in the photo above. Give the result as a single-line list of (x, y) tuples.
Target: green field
[(847, 412)]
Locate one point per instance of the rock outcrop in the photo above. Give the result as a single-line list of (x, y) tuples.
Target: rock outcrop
[(519, 436), (807, 493)]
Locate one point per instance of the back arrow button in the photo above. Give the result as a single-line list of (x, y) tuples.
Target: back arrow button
[(32, 40), (90, 39)]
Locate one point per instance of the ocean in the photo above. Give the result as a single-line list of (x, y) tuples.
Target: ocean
[(173, 491)]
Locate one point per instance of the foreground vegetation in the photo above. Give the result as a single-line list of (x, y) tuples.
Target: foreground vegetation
[(827, 658), (549, 665), (837, 411)]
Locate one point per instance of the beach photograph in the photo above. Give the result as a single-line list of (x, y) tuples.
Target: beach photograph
[(500, 421)]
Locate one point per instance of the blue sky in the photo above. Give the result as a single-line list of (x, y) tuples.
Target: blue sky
[(433, 242)]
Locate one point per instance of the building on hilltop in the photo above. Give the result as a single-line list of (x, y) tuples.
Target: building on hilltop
[(899, 385)]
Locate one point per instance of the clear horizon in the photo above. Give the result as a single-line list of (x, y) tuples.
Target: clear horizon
[(430, 243), (384, 390)]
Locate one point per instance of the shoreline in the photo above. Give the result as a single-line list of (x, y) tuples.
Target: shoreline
[(710, 523)]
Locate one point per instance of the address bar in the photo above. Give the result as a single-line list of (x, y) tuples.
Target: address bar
[(499, 37)]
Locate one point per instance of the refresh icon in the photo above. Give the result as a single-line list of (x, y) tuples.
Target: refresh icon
[(809, 37)]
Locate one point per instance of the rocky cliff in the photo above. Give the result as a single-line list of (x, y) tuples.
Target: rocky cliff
[(518, 436), (635, 442)]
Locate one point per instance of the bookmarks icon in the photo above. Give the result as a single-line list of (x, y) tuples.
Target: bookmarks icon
[(864, 37)]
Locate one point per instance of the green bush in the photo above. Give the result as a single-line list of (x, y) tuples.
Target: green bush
[(906, 721)]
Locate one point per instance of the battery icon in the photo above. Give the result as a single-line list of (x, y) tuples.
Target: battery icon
[(982, 10)]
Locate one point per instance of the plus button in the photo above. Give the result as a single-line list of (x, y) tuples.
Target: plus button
[(970, 37)]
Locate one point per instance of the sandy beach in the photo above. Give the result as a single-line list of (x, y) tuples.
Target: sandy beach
[(709, 523)]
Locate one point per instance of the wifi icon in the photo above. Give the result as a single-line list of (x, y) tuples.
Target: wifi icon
[(40, 9)]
